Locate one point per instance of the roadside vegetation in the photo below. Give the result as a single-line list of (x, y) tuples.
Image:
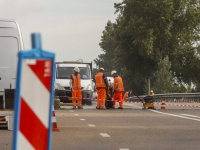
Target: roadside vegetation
[(156, 40)]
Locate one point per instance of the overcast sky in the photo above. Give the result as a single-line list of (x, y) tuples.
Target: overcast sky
[(70, 28)]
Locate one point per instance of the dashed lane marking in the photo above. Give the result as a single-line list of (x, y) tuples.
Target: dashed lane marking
[(82, 119), (191, 115), (91, 125), (71, 111), (76, 114), (175, 115), (124, 149), (104, 135)]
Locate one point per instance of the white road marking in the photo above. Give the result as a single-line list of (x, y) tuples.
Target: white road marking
[(71, 111), (124, 149), (190, 115), (175, 115), (76, 114), (82, 119), (91, 125), (104, 135)]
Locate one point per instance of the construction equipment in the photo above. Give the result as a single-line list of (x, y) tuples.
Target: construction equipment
[(109, 96), (147, 102)]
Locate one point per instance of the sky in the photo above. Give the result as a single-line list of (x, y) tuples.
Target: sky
[(72, 29)]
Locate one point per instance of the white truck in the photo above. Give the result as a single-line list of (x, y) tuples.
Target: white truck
[(10, 44), (62, 77)]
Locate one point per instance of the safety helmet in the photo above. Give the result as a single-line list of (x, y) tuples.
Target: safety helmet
[(151, 90), (76, 69), (113, 72), (101, 69)]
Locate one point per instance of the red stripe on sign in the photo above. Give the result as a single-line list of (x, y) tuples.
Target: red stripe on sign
[(42, 70), (32, 128)]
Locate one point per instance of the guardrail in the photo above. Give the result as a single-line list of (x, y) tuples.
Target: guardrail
[(171, 97)]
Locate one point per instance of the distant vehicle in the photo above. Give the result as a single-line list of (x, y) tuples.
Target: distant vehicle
[(63, 73), (10, 44)]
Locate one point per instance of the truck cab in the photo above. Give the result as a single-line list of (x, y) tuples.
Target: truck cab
[(63, 73)]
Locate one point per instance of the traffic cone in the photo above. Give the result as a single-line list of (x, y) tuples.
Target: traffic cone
[(163, 104), (3, 119), (54, 125)]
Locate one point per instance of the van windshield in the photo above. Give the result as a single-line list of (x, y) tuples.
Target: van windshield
[(65, 72)]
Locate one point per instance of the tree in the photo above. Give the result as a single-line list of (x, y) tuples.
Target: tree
[(146, 32)]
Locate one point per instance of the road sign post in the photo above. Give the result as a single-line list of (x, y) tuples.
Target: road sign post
[(34, 98)]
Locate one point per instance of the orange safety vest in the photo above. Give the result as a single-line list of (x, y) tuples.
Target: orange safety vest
[(152, 93), (76, 82), (100, 83), (126, 94), (118, 84)]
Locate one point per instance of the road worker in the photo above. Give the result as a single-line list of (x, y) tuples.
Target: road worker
[(118, 89), (152, 93), (101, 86), (75, 85), (125, 96)]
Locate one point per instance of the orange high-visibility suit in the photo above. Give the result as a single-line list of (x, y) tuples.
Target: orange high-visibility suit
[(118, 89), (125, 96), (76, 94), (101, 90)]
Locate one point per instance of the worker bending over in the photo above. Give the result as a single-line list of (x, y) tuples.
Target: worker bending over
[(101, 86), (118, 89), (125, 96), (75, 85)]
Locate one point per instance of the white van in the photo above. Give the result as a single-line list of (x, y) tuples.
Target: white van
[(63, 73), (10, 44)]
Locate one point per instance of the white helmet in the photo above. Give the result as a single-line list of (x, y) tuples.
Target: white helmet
[(76, 69), (151, 90), (101, 69), (113, 72)]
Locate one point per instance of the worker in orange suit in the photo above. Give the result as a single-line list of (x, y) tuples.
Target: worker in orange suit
[(75, 85), (118, 89), (152, 93), (125, 96), (101, 86)]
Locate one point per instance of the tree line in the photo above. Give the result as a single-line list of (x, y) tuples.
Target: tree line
[(156, 40)]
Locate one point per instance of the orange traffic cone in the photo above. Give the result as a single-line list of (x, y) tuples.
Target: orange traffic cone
[(163, 104), (3, 119), (54, 125)]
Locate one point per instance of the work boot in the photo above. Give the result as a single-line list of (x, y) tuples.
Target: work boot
[(74, 107), (120, 108), (113, 107), (97, 108)]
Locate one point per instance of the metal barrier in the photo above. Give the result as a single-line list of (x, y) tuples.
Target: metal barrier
[(172, 97)]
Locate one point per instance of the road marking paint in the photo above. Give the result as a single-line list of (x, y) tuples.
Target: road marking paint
[(190, 115), (175, 115), (76, 114), (71, 111), (104, 135), (82, 119), (124, 149), (91, 125)]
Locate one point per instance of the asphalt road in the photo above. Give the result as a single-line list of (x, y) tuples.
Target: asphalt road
[(176, 128)]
